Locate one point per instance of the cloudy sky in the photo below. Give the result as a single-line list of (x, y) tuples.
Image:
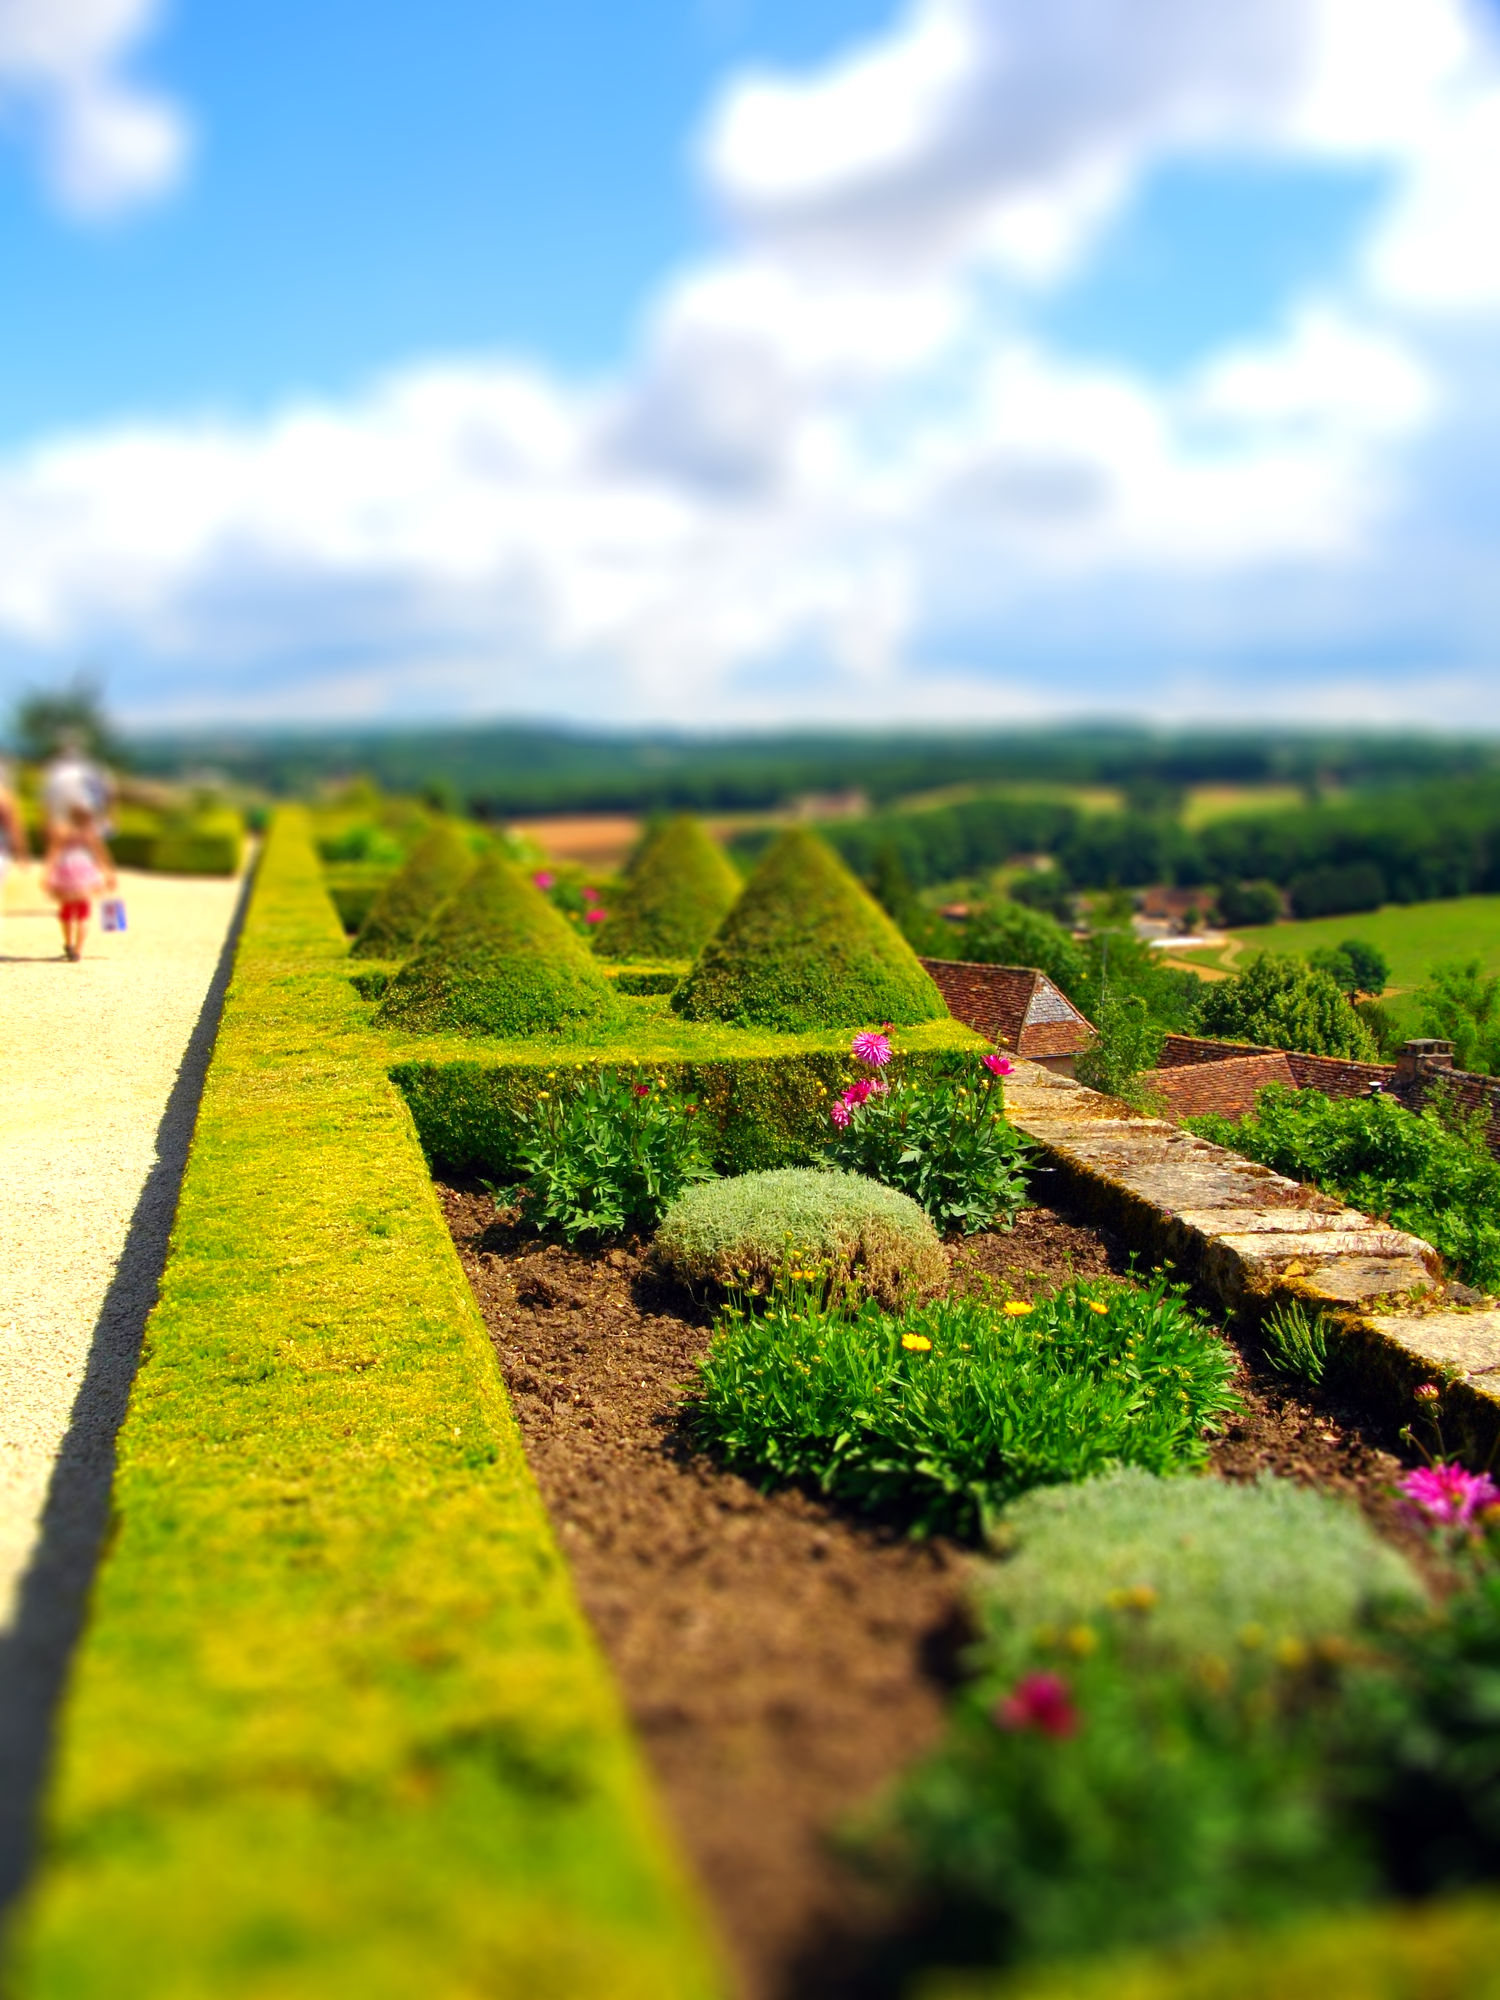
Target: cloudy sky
[(743, 360)]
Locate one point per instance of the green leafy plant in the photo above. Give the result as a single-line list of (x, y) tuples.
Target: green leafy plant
[(1461, 1003), (1243, 905), (1296, 1342), (744, 1232), (1384, 1159), (1284, 1003), (1354, 967), (1153, 1745), (1129, 1044), (946, 1411), (943, 1140), (608, 1159), (1005, 931)]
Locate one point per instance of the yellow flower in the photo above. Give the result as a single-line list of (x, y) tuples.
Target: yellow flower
[(1214, 1673), (1135, 1597), (1017, 1307), (1291, 1653), (543, 1093), (1252, 1637), (1095, 1306), (1082, 1641), (915, 1343)]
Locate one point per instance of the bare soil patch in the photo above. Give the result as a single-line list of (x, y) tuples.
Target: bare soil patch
[(781, 1659)]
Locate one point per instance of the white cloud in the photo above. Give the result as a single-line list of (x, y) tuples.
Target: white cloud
[(844, 470), (104, 142)]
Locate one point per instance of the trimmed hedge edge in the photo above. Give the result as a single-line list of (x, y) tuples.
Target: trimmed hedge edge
[(337, 1726)]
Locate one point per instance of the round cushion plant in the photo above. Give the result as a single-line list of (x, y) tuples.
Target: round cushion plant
[(745, 1232)]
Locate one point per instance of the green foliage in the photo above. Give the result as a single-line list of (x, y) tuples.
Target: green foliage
[(498, 960), (806, 947), (1191, 1626), (336, 1728), (353, 888), (1379, 1157), (676, 892), (1003, 932), (1337, 890), (1354, 967), (924, 930), (1044, 889), (363, 841), (1247, 903), (607, 1160), (44, 719), (1129, 1043), (1296, 1342), (944, 1140), (1283, 1003), (1461, 1004), (764, 1099), (207, 844), (746, 1232), (1120, 964), (1194, 1568), (436, 870), (946, 1411), (1432, 1951)]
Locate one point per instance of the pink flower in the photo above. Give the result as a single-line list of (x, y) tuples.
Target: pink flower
[(595, 916), (641, 1089), (1448, 1494), (856, 1094), (591, 895), (1038, 1701), (544, 880), (999, 1065), (871, 1048), (838, 1111)]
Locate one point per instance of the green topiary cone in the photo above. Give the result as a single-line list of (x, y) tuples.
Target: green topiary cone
[(499, 960), (805, 947), (679, 888), (434, 869)]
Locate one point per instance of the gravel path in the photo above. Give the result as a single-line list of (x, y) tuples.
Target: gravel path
[(103, 1063)]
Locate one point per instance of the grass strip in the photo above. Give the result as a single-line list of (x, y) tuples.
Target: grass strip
[(337, 1725)]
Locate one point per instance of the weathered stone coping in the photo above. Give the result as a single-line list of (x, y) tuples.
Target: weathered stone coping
[(1251, 1237)]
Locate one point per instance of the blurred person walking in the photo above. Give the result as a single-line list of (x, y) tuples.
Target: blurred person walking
[(73, 779), (76, 868)]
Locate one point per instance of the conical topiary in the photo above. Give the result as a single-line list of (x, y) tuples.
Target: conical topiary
[(805, 947), (678, 889), (407, 904), (499, 960)]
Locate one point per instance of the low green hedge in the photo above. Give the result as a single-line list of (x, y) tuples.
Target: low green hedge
[(337, 1726), (353, 887), (767, 1101), (211, 844), (1440, 1951)]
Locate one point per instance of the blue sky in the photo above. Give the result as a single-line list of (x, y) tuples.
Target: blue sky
[(744, 360)]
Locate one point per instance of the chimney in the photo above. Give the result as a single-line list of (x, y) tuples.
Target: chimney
[(1424, 1057)]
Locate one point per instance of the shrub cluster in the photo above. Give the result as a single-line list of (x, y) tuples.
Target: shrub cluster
[(609, 1159), (806, 947), (745, 1233), (437, 868), (944, 1412), (1441, 1184), (498, 960), (676, 892), (1284, 1003)]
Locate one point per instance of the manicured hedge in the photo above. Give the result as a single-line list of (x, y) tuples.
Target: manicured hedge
[(1440, 1951), (210, 844), (336, 1727), (768, 1105)]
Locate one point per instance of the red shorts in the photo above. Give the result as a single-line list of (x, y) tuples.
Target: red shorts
[(75, 911)]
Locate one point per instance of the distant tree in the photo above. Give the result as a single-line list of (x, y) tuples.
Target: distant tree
[(1118, 962), (45, 718), (1353, 966), (1243, 905), (1284, 1003), (1044, 889), (1336, 891), (1003, 932), (1460, 1003)]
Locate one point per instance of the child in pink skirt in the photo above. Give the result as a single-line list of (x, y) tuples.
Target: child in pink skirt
[(77, 867)]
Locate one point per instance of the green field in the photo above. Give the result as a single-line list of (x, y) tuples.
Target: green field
[(1413, 937)]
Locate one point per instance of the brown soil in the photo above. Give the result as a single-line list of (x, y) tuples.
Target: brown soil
[(781, 1660)]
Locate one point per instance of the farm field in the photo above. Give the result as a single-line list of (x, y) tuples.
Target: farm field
[(1206, 803), (1413, 937)]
